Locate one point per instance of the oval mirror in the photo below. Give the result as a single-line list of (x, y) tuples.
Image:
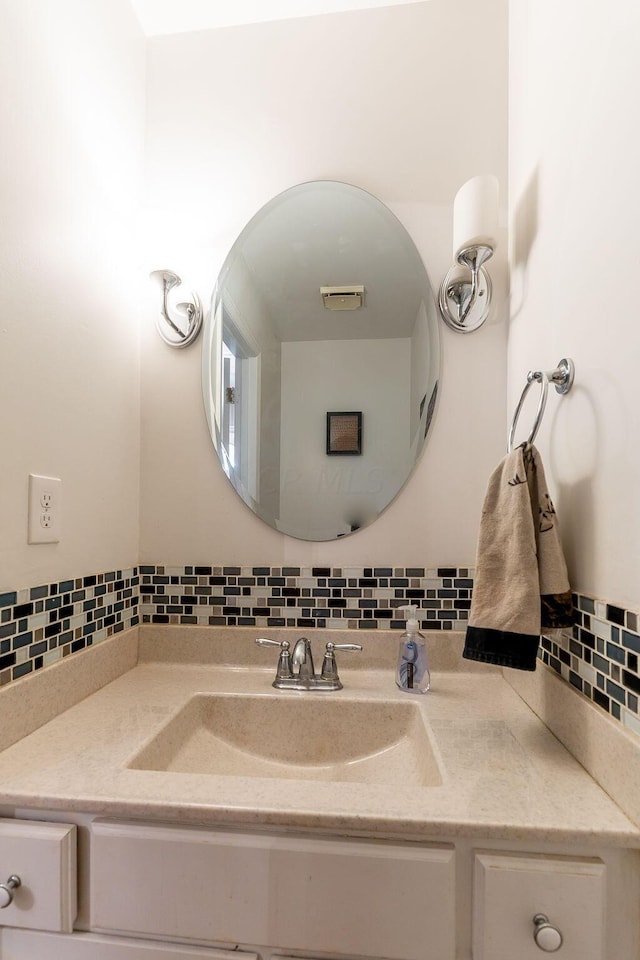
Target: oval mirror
[(320, 360)]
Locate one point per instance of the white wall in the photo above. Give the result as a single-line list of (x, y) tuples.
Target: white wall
[(167, 16), (574, 212), (71, 108), (237, 115), (234, 117)]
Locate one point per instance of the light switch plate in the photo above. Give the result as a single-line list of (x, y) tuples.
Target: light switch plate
[(45, 509)]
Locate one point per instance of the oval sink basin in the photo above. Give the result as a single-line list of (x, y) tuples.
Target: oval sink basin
[(299, 738)]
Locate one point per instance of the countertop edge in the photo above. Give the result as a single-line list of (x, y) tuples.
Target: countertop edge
[(335, 824)]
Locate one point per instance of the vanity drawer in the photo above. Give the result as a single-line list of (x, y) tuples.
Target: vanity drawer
[(368, 898), (509, 890), (43, 856)]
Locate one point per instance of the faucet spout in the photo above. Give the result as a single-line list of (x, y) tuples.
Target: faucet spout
[(302, 658)]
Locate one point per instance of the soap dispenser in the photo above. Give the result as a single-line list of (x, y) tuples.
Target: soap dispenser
[(412, 673)]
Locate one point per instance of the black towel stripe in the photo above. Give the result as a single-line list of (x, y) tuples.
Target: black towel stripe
[(501, 648)]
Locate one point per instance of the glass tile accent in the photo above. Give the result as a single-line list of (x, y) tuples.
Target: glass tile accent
[(75, 614), (355, 598), (601, 649)]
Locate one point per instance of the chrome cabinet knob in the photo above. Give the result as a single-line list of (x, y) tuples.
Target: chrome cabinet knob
[(546, 936), (6, 890)]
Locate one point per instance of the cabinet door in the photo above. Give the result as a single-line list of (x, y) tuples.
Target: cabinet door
[(20, 945), (43, 856), (363, 898), (510, 890)]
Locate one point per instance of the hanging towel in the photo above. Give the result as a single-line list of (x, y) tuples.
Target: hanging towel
[(521, 584)]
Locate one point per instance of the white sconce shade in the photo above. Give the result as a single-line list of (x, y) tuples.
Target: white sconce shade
[(475, 214), (465, 292)]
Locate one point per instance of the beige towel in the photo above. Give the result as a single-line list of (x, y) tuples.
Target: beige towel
[(521, 584)]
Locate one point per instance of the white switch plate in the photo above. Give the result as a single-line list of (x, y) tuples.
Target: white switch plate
[(45, 503)]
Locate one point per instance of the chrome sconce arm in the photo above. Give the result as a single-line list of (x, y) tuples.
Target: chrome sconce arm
[(183, 329), (465, 293)]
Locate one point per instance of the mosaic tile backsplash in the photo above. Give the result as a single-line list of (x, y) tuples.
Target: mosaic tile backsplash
[(39, 625), (599, 657), (334, 598)]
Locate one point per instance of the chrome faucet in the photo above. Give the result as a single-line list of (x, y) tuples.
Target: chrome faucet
[(302, 658), (295, 671)]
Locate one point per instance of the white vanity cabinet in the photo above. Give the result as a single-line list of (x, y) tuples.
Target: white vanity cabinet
[(156, 891), (362, 898)]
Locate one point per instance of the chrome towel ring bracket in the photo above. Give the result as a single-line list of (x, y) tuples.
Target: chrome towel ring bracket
[(562, 378)]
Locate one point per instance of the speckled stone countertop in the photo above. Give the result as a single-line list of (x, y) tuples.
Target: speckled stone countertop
[(504, 775)]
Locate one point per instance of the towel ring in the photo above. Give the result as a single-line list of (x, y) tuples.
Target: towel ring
[(562, 379)]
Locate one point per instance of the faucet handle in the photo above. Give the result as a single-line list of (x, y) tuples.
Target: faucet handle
[(283, 670), (329, 667)]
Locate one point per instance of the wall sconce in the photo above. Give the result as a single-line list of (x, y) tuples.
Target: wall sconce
[(183, 329), (465, 292)]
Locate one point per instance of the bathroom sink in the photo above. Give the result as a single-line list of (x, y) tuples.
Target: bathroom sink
[(295, 738)]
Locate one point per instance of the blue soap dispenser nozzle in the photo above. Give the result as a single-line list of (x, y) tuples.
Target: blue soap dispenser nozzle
[(412, 673)]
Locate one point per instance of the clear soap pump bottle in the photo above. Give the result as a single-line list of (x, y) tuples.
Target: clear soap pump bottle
[(412, 673)]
